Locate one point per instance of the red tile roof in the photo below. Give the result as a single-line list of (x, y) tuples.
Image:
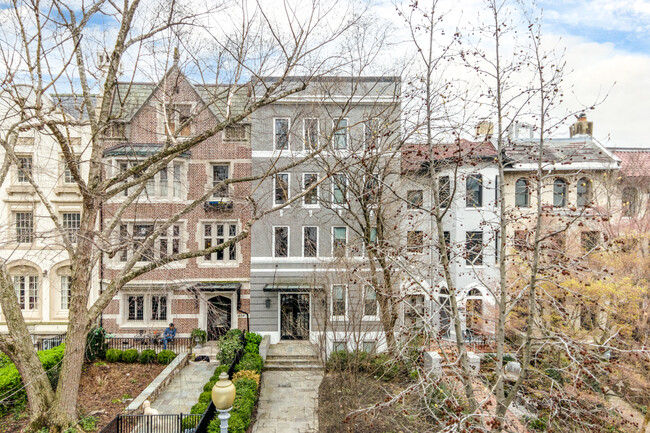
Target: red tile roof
[(416, 156), (634, 162)]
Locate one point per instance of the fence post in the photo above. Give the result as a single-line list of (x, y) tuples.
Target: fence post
[(118, 423), (180, 423)]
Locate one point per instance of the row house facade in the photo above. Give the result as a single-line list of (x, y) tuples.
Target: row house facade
[(210, 292), (32, 249)]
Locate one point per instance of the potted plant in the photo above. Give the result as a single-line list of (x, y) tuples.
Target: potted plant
[(199, 337)]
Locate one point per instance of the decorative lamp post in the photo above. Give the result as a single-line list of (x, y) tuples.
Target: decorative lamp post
[(223, 395)]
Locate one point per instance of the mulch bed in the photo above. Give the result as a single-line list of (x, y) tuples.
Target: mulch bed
[(106, 388), (340, 394)]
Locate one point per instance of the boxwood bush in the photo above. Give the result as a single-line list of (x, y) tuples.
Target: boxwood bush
[(250, 361), (130, 355), (147, 356), (114, 355), (166, 356), (205, 397)]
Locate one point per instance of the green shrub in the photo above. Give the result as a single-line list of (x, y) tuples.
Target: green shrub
[(250, 361), (246, 384), (166, 356), (190, 422), (200, 333), (253, 341), (88, 423), (215, 427), (4, 360), (246, 374), (208, 386), (233, 333), (220, 369), (199, 408), (130, 356), (147, 356), (113, 355), (205, 397), (96, 344), (387, 368), (229, 345), (554, 374)]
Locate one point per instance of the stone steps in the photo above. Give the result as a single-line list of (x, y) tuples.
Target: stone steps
[(292, 356)]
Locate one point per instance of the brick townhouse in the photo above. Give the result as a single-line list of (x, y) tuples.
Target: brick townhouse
[(209, 292)]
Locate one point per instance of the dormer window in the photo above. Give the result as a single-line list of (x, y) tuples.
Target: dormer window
[(179, 117)]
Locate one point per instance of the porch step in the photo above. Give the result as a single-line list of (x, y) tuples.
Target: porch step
[(292, 355), (292, 367)]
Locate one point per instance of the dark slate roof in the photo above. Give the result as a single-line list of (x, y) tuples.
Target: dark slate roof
[(635, 162), (415, 157), (138, 150), (568, 153)]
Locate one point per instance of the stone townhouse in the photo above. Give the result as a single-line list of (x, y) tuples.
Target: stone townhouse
[(209, 292), (575, 197), (464, 173), (309, 275), (32, 248)]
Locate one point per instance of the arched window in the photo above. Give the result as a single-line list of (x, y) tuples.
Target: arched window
[(559, 193), (474, 311), (474, 292), (629, 199), (585, 192), (522, 193)]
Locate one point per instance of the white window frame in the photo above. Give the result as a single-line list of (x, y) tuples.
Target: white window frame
[(336, 128), (366, 124), (275, 181), (345, 299), (304, 133), (27, 291), (17, 171), (275, 147), (317, 242), (345, 192), (212, 182), (146, 309), (213, 261), (66, 231), (317, 189), (65, 306), (152, 191), (169, 237), (14, 227), (363, 297), (347, 243), (288, 242), (176, 119)]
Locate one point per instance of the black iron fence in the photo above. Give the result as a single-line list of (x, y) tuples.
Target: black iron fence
[(178, 344), (50, 342), (172, 423)]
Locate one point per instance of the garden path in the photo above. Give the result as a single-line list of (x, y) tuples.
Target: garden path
[(183, 391)]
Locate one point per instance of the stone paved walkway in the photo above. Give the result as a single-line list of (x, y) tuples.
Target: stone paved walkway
[(288, 402), (183, 391)]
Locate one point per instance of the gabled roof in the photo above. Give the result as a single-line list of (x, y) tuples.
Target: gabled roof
[(415, 157), (580, 152)]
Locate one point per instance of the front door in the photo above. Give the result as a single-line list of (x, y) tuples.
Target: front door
[(219, 316), (294, 316)]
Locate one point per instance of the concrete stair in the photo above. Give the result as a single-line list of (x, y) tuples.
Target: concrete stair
[(209, 349), (292, 356)]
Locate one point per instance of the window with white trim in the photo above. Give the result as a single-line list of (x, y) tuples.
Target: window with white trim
[(67, 173), (24, 227), (311, 132), (339, 301), (216, 233), (310, 198), (474, 248), (220, 172), (66, 284), (281, 242), (179, 116), (24, 168), (281, 188), (340, 134), (371, 134), (159, 307), (281, 134), (339, 189), (339, 241), (310, 242), (132, 235), (135, 305), (26, 289), (370, 306), (161, 183), (71, 224), (474, 191)]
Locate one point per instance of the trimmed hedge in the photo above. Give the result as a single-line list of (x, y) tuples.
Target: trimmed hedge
[(130, 356), (250, 361), (148, 356), (166, 356), (10, 380), (114, 355)]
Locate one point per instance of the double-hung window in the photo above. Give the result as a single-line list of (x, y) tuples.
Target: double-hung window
[(281, 193), (474, 248), (67, 173), (311, 197), (71, 225), (369, 302), (415, 241), (66, 284), (24, 171), (281, 134), (341, 134), (220, 173), (135, 307), (414, 199), (339, 189), (371, 134), (310, 242), (339, 241), (559, 193), (311, 132), (339, 301), (26, 289), (24, 227), (522, 193), (281, 242), (141, 233), (216, 233), (474, 190), (444, 191)]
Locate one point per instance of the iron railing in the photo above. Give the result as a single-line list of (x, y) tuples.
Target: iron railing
[(172, 423), (48, 343), (178, 344)]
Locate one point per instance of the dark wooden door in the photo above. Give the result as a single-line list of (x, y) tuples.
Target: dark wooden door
[(219, 316), (294, 316)]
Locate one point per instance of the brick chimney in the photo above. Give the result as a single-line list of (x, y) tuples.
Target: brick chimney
[(484, 129), (582, 126)]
